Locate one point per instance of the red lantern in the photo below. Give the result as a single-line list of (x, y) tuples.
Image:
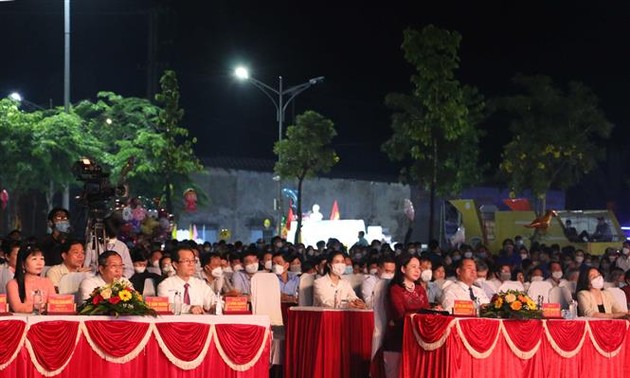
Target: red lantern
[(190, 200)]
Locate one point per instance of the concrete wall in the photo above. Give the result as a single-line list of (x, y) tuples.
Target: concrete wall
[(241, 200)]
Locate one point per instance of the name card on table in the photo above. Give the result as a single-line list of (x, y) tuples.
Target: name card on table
[(464, 308), (3, 303), (61, 304), (236, 305), (551, 310), (159, 304)]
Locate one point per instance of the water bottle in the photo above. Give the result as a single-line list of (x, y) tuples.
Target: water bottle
[(573, 309), (336, 299), (177, 303), (219, 306), (37, 302)]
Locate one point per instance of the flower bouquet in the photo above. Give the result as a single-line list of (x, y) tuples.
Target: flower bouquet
[(117, 298), (511, 304)]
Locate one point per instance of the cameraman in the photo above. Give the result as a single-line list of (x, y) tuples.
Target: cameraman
[(59, 223), (111, 243)]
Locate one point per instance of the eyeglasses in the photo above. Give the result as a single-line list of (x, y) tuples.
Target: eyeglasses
[(187, 261)]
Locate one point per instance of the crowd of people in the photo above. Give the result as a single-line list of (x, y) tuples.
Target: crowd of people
[(419, 278)]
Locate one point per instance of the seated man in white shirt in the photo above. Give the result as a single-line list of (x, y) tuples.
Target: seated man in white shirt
[(110, 267), (384, 271), (7, 272), (241, 280), (463, 288), (482, 279), (197, 296), (73, 256)]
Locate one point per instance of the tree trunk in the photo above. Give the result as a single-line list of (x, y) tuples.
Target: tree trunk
[(298, 230), (432, 190)]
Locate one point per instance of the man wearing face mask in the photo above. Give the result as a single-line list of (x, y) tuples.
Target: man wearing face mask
[(242, 279), (59, 224), (141, 274), (214, 276), (434, 291), (623, 261), (386, 267), (289, 282)]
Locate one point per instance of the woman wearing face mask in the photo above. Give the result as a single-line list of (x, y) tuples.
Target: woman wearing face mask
[(166, 267), (331, 290), (592, 300), (406, 295)]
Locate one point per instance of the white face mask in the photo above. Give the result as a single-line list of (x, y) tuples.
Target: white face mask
[(338, 269), (468, 254), (598, 282), (579, 259), (228, 269), (168, 270), (557, 274), (251, 268), (238, 267), (217, 272), (523, 256), (155, 264), (278, 269), (139, 269), (625, 251), (537, 279), (373, 271), (387, 276), (268, 264), (479, 280), (426, 275), (348, 270)]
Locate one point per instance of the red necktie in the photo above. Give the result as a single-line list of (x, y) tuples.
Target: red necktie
[(186, 295)]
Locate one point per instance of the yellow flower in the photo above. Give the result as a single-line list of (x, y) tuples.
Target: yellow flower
[(139, 296), (124, 295), (106, 293), (498, 303), (510, 298), (516, 305), (531, 304)]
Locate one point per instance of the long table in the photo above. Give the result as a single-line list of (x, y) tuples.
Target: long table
[(443, 346), (328, 343), (166, 346)]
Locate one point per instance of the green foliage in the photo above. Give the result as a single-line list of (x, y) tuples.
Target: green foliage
[(556, 135), (305, 152), (434, 127), (134, 127)]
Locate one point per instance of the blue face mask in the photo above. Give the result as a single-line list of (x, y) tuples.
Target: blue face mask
[(348, 269), (63, 226)]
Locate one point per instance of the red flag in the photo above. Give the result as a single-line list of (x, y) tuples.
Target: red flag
[(289, 217), (334, 214)]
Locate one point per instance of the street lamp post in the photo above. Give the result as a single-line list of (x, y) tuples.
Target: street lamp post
[(277, 97)]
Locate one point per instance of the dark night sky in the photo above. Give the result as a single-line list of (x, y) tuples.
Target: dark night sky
[(354, 44)]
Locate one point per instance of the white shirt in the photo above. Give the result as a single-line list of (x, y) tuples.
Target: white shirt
[(88, 285), (56, 272), (6, 275), (460, 291), (91, 260), (199, 292), (325, 292)]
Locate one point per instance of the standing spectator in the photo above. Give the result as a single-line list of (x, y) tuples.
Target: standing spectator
[(59, 224)]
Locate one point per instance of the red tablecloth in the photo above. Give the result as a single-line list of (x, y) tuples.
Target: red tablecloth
[(442, 346), (328, 343), (186, 346)]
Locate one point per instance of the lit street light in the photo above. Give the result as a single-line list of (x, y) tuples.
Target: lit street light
[(277, 97)]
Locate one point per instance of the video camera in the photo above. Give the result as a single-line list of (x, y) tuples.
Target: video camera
[(97, 189)]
